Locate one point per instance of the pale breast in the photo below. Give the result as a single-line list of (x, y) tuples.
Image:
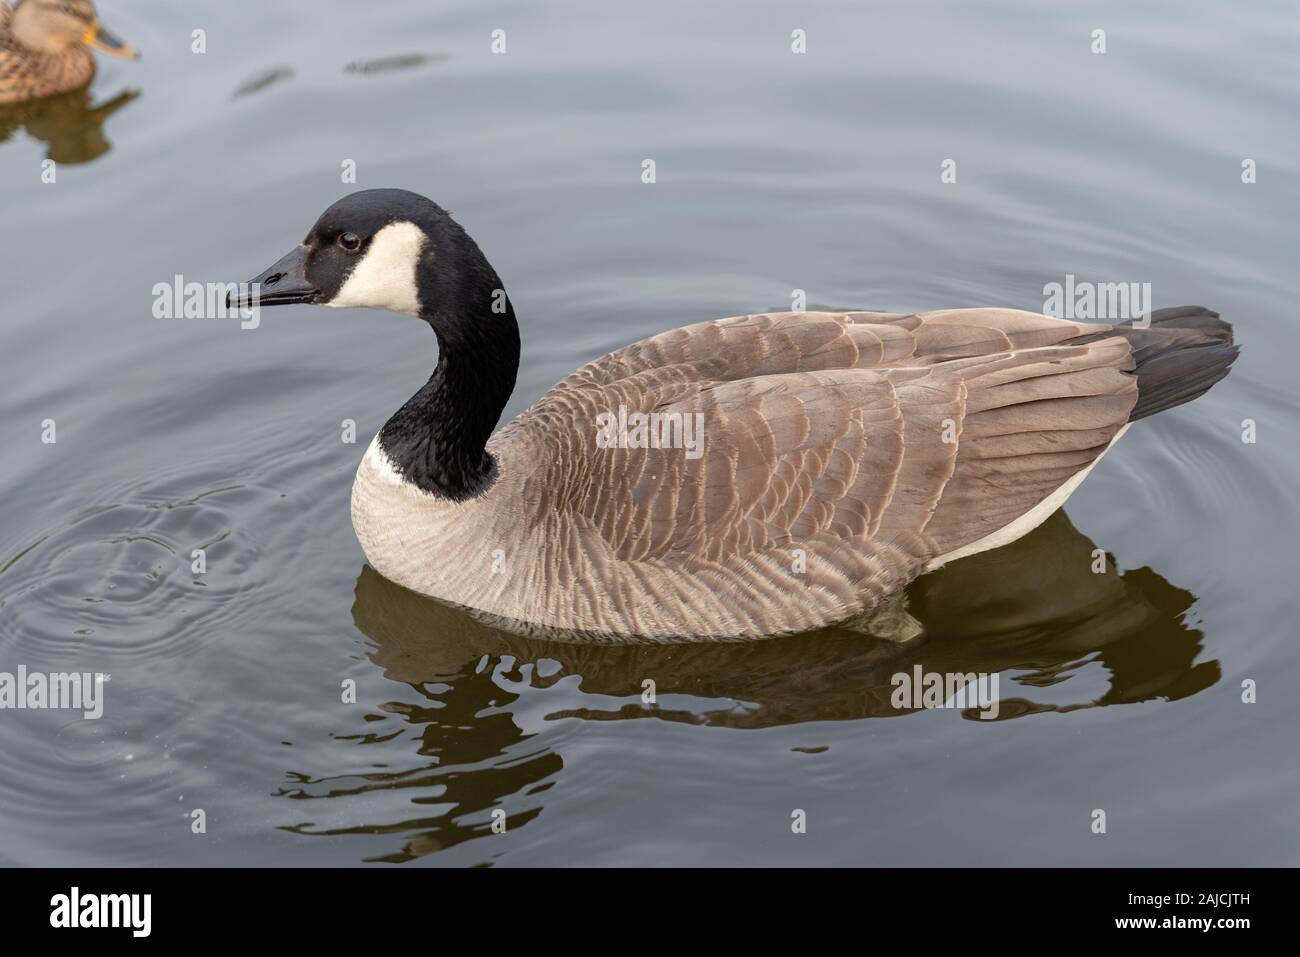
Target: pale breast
[(463, 553)]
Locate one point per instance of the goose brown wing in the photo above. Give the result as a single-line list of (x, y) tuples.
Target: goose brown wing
[(838, 453)]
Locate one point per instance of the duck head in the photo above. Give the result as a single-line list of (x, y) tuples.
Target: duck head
[(387, 249), (55, 26)]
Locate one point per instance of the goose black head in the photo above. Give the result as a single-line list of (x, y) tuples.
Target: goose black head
[(386, 249), (393, 249), (53, 26)]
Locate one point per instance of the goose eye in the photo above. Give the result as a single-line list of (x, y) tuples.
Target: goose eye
[(350, 242)]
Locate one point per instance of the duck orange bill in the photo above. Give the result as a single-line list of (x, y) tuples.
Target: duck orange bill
[(102, 39)]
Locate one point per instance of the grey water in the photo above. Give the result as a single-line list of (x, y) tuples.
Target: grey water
[(775, 172)]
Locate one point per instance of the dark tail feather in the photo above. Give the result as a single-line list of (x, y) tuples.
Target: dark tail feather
[(1184, 351)]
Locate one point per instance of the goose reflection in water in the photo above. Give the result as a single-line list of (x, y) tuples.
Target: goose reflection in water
[(70, 125), (1034, 612)]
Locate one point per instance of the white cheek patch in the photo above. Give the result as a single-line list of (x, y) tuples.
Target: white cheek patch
[(385, 276)]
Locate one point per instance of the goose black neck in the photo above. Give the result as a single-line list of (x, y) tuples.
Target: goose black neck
[(438, 439)]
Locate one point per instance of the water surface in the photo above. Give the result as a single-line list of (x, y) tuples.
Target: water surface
[(775, 172)]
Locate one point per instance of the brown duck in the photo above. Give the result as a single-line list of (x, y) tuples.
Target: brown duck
[(45, 47)]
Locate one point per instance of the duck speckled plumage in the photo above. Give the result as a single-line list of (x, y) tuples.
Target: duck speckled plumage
[(844, 453), (45, 47)]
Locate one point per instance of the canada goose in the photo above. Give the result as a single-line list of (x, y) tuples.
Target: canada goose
[(44, 47), (843, 454)]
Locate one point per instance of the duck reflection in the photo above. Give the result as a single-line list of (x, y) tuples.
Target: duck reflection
[(1033, 612), (70, 125)]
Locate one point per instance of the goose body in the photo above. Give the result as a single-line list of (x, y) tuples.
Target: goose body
[(837, 455), (45, 47)]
